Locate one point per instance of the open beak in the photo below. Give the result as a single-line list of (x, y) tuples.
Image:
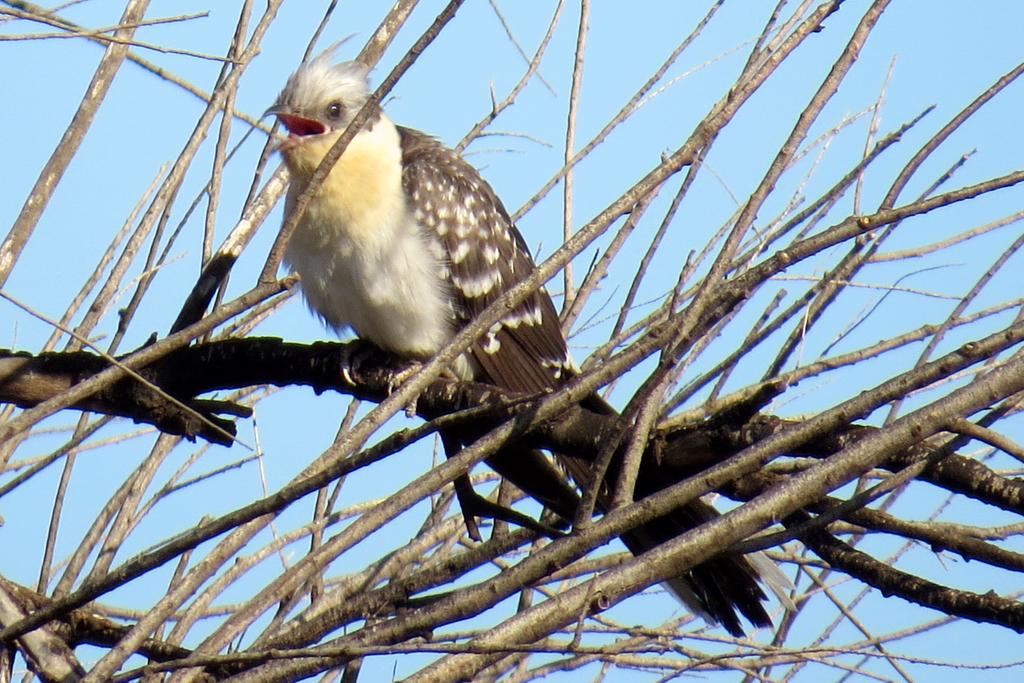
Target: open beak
[(296, 125)]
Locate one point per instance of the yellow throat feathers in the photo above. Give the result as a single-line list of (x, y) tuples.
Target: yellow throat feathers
[(364, 189)]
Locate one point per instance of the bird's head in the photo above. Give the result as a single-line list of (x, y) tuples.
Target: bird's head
[(321, 97)]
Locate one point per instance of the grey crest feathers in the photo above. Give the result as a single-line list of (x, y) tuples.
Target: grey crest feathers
[(321, 82)]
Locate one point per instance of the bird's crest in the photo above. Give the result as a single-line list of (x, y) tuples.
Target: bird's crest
[(322, 78)]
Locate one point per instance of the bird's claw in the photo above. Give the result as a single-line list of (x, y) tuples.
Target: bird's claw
[(358, 351)]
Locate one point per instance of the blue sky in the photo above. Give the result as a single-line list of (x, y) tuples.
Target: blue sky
[(942, 54)]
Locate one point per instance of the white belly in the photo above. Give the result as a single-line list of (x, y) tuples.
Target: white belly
[(388, 292), (363, 261)]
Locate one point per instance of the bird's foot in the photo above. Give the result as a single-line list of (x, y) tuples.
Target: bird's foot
[(359, 353), (354, 355)]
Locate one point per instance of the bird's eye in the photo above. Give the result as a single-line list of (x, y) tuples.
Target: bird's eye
[(334, 110)]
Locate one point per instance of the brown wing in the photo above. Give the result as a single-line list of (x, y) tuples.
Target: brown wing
[(485, 255), (526, 352)]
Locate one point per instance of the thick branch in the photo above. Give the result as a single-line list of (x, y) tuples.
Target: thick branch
[(356, 369)]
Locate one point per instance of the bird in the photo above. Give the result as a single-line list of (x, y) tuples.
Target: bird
[(404, 244)]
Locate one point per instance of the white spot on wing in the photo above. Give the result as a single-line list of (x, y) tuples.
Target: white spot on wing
[(478, 285), (529, 315), (460, 252), (490, 252), (491, 343)]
